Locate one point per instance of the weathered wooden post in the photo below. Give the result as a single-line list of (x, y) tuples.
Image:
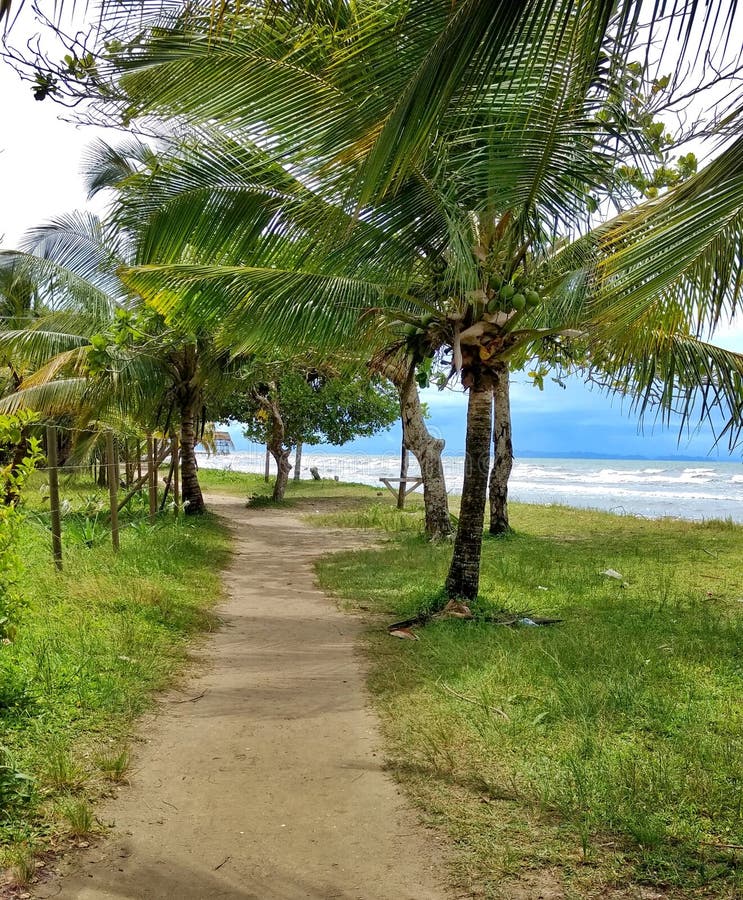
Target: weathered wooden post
[(403, 475), (267, 473), (51, 457), (152, 478), (113, 488), (298, 461)]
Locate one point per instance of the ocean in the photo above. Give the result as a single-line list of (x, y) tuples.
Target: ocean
[(650, 488)]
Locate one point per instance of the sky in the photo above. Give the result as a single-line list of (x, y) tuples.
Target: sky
[(40, 177)]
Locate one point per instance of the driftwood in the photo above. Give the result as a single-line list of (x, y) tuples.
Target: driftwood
[(456, 610)]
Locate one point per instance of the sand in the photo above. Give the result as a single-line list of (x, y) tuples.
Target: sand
[(262, 777)]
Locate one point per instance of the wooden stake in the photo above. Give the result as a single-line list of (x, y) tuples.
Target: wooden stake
[(268, 465), (403, 475), (113, 488), (152, 479), (51, 456)]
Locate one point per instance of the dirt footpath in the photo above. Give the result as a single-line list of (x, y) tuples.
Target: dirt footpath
[(270, 785)]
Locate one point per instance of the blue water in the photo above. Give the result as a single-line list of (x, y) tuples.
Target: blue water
[(652, 488)]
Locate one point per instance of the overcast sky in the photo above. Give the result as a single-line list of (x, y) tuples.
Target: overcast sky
[(40, 177)]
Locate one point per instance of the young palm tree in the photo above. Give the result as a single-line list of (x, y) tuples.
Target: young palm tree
[(99, 353)]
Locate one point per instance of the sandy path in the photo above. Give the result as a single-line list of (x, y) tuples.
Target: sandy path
[(270, 785)]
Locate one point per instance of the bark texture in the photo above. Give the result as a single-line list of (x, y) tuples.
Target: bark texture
[(276, 446), (502, 451), (427, 450), (191, 495), (20, 452), (102, 479), (463, 580), (298, 461)]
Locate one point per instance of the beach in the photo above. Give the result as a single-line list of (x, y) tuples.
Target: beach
[(684, 489)]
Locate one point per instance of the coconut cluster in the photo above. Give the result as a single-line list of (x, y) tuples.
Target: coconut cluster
[(505, 296)]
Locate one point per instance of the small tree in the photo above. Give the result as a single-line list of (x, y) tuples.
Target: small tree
[(311, 406)]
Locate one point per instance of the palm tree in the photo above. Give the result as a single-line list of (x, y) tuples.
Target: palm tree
[(480, 121), (229, 202), (99, 353)]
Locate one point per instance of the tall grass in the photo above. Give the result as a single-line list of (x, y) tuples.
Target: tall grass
[(609, 748), (92, 644)]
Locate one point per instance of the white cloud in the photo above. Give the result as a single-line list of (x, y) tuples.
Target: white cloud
[(40, 159)]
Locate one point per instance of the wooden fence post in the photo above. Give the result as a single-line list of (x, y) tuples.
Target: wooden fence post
[(152, 480), (113, 488), (51, 456), (267, 474), (403, 476)]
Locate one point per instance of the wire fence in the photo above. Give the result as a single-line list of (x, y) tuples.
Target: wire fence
[(141, 476)]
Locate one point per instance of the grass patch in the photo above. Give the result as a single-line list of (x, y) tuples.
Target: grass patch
[(93, 644), (299, 494), (609, 749)]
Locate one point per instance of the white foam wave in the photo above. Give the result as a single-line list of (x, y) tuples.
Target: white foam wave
[(675, 488)]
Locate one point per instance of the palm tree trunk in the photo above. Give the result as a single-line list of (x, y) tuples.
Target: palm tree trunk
[(502, 451), (464, 574), (12, 496), (191, 496), (102, 479), (427, 450)]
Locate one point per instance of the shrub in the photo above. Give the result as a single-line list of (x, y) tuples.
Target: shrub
[(22, 453)]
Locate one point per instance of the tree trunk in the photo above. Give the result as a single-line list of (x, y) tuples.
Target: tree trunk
[(191, 497), (464, 574), (427, 450), (283, 466), (102, 474), (298, 461), (19, 453), (128, 464), (276, 446), (502, 451)]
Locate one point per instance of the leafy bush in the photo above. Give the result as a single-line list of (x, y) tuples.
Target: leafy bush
[(14, 688), (22, 452), (16, 788)]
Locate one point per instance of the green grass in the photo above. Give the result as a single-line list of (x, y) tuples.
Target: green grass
[(298, 493), (607, 750), (93, 644)]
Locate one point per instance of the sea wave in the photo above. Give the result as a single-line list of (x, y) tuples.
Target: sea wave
[(675, 488)]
